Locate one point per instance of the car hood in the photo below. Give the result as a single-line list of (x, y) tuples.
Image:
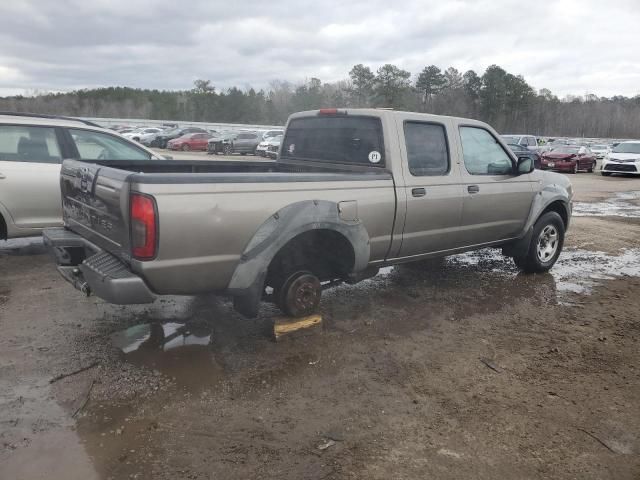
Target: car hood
[(559, 156), (624, 156)]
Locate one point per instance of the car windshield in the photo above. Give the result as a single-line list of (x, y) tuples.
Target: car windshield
[(631, 147), (512, 139), (565, 149)]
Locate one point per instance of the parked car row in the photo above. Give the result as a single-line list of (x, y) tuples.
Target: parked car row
[(578, 155), (243, 142), (225, 142)]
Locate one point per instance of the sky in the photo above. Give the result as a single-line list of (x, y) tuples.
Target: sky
[(568, 46)]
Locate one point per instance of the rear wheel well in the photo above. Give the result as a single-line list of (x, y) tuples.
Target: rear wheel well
[(3, 229), (326, 253), (560, 209)]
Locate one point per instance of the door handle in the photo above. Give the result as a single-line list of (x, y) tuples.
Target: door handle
[(418, 192), (473, 188)]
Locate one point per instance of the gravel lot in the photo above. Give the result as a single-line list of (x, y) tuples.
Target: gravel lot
[(468, 370)]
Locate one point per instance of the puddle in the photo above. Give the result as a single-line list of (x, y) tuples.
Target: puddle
[(576, 271), (23, 246), (624, 204), (177, 350)]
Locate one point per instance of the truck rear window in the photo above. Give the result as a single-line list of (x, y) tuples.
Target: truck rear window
[(336, 139)]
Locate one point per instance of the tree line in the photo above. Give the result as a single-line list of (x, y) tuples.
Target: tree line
[(498, 97)]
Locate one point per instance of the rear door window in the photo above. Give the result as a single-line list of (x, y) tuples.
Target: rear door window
[(348, 139), (427, 151), (101, 146), (29, 144)]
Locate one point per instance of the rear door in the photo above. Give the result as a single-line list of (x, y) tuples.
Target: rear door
[(30, 158), (199, 141), (496, 201), (244, 142), (431, 184)]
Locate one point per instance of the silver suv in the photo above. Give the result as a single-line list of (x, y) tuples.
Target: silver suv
[(32, 148)]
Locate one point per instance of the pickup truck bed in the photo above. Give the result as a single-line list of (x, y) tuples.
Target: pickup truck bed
[(346, 196)]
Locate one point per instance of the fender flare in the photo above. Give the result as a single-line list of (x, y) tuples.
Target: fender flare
[(247, 281), (545, 198), (6, 219), (550, 194)]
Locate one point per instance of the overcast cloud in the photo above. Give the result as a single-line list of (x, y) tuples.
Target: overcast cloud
[(568, 46)]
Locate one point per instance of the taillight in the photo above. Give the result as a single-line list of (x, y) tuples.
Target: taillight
[(144, 226)]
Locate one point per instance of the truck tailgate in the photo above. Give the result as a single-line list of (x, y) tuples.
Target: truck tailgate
[(95, 202)]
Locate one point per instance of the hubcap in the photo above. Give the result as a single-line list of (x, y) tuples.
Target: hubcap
[(547, 243)]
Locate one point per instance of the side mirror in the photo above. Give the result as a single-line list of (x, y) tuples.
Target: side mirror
[(525, 165)]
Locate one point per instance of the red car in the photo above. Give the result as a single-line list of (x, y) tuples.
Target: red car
[(569, 158), (190, 141)]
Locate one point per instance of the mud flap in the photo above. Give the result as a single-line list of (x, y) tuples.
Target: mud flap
[(520, 247), (247, 301)]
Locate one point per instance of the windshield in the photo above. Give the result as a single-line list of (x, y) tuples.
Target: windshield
[(513, 139), (631, 147), (338, 139), (565, 149)]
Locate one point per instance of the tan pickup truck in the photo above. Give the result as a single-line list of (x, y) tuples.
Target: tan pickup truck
[(352, 190)]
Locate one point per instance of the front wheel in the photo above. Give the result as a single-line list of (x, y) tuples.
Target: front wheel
[(227, 149), (186, 148), (575, 168), (592, 167), (546, 244)]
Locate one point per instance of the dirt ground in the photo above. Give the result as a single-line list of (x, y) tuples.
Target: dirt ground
[(469, 370)]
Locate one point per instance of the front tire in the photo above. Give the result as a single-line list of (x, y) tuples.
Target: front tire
[(575, 168), (546, 244)]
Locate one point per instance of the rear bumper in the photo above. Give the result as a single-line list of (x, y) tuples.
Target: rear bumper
[(94, 271)]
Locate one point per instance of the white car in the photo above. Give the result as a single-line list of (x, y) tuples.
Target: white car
[(138, 134), (273, 145), (528, 141), (600, 151), (623, 158), (32, 148)]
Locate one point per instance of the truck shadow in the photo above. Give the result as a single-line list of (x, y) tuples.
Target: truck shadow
[(209, 334)]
